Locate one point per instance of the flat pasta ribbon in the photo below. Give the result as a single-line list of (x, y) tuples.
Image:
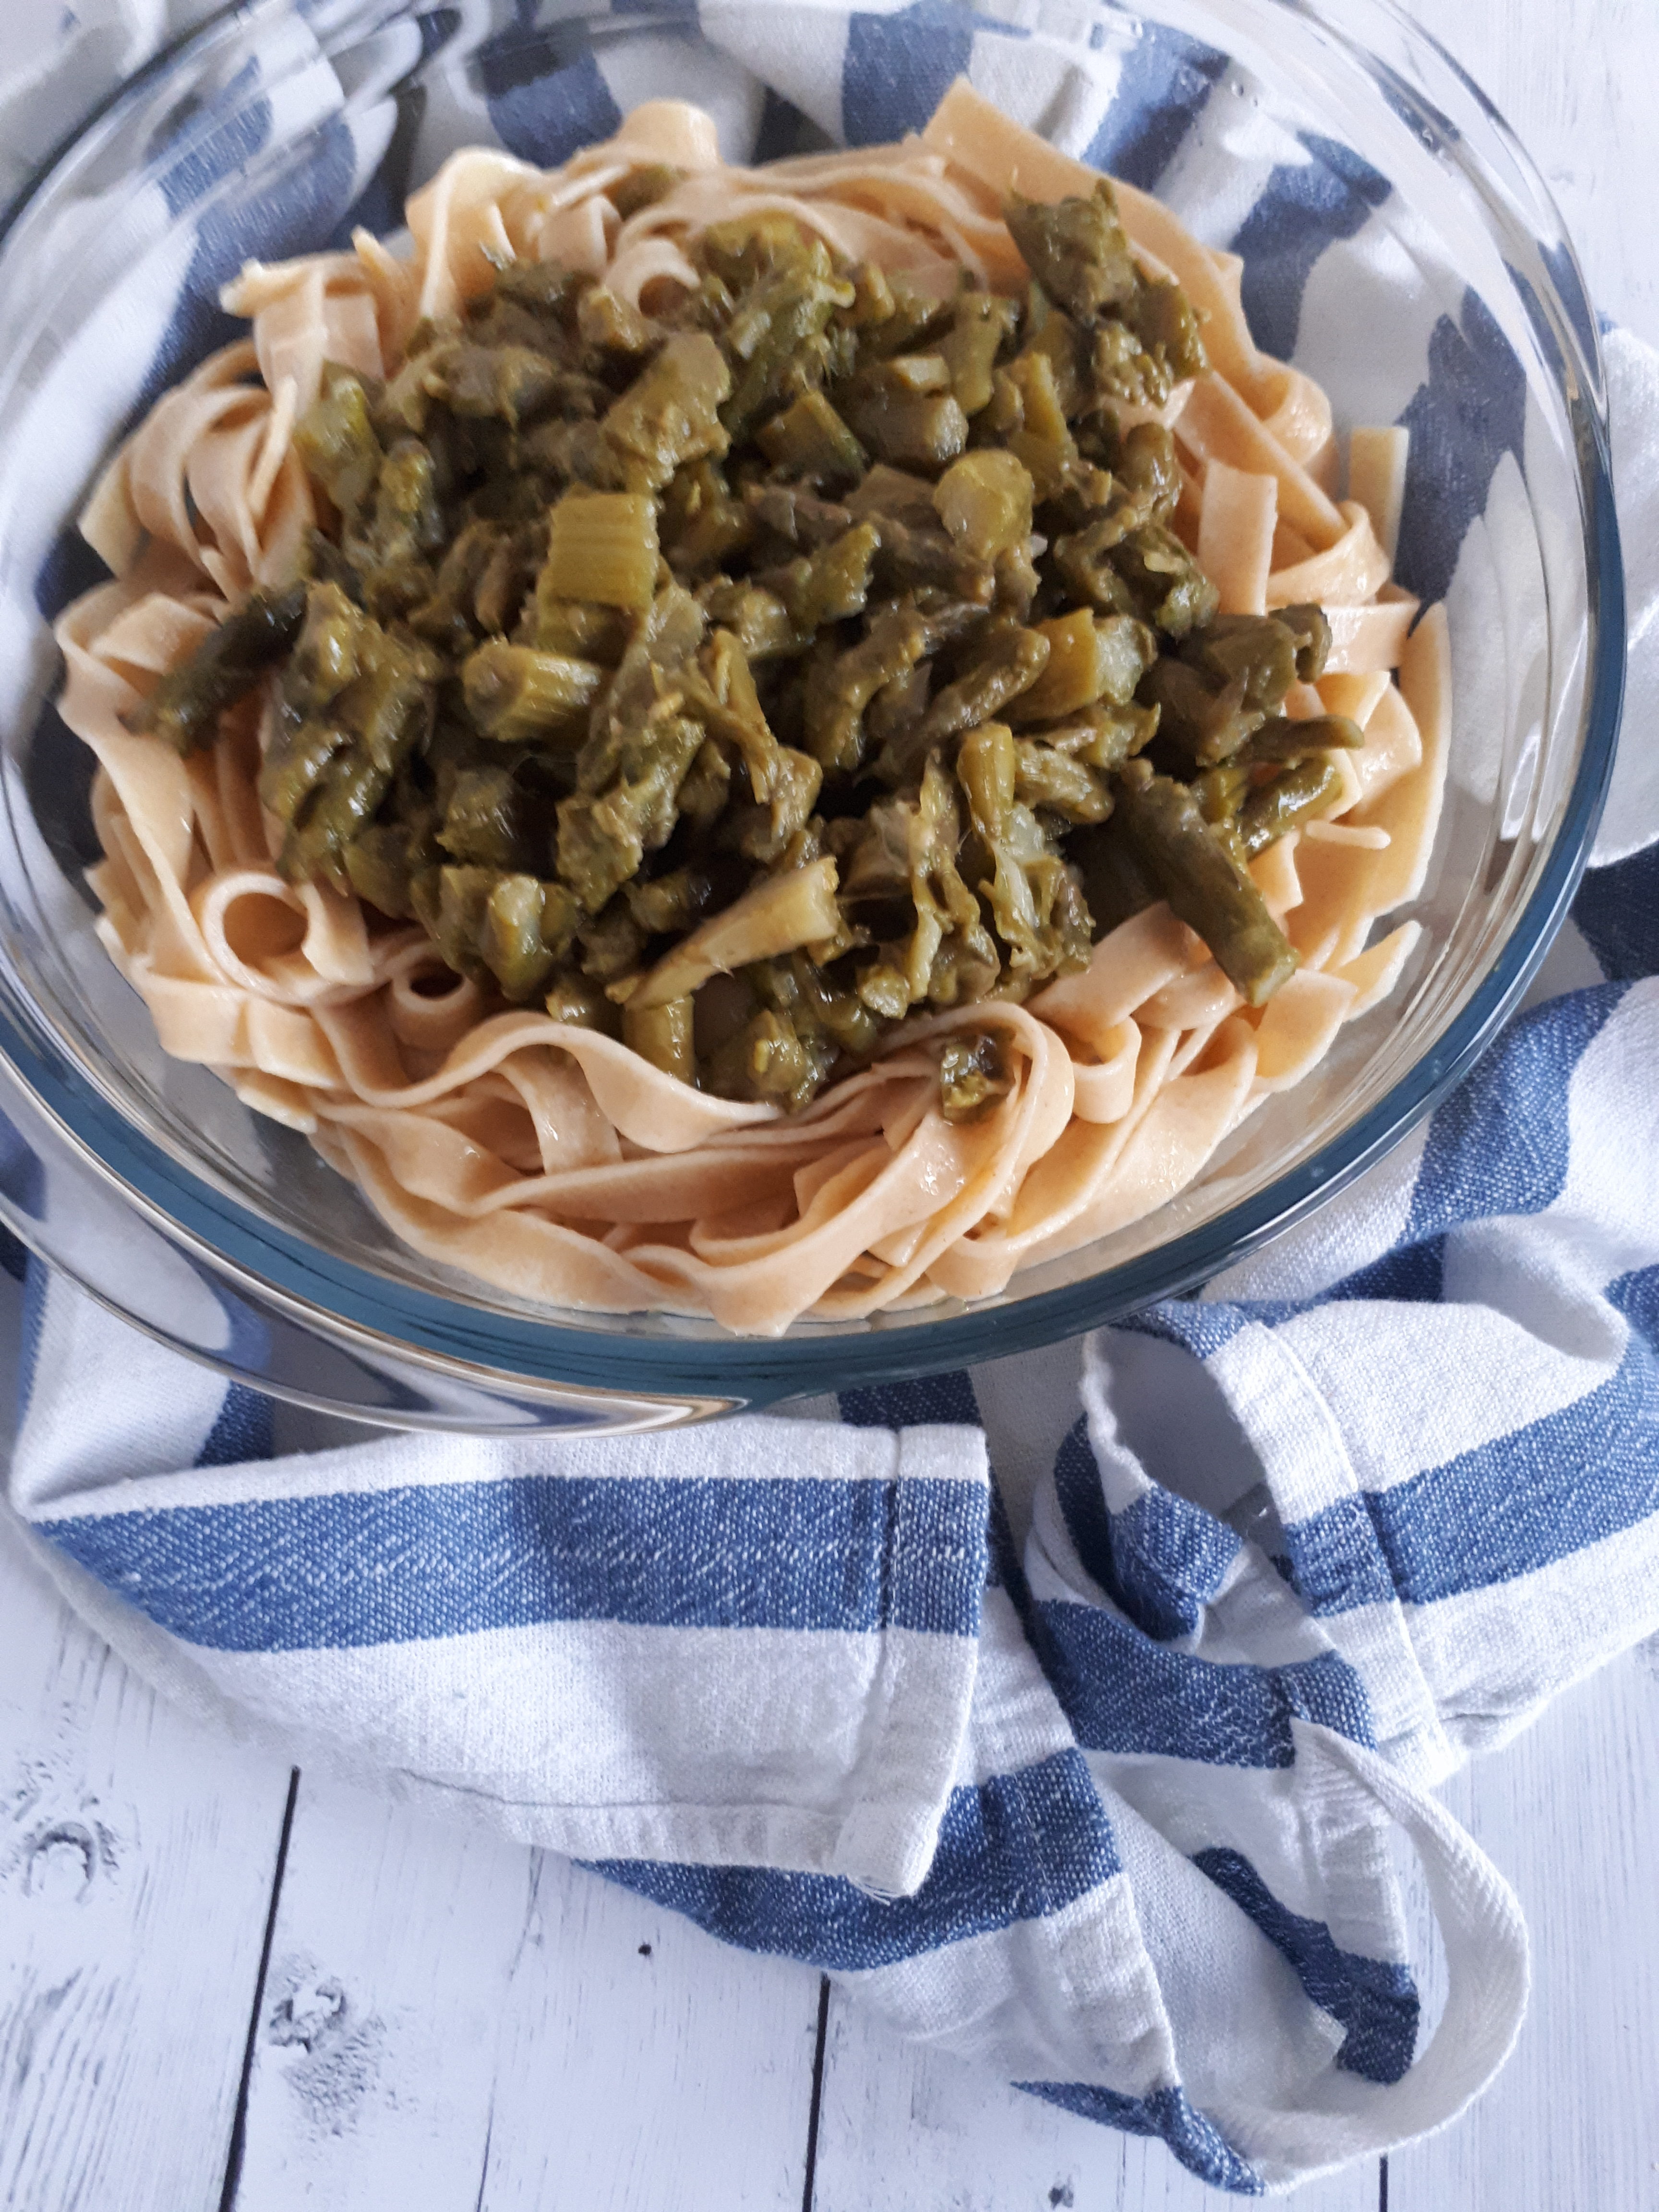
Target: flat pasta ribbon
[(553, 1163)]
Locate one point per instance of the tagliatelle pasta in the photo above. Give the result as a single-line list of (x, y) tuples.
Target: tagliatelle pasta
[(555, 1162)]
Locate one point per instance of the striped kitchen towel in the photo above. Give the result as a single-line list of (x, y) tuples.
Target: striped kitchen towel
[(1068, 1710)]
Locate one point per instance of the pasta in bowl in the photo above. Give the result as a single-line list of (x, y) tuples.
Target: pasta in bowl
[(766, 742)]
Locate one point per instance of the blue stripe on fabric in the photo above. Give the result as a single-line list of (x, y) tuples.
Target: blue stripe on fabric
[(1570, 289), (1082, 1503), (22, 1179), (1637, 1296), (241, 1431), (229, 145), (68, 570), (785, 131), (1018, 1847), (457, 1558), (1303, 209), (928, 1400), (1414, 1274), (1506, 1509), (1618, 909), (1172, 1560), (1499, 1143), (1332, 1560), (540, 111), (1194, 1324), (1470, 413), (198, 322), (924, 1402), (899, 67), (1122, 1692), (1166, 80), (437, 26), (1161, 1561), (1203, 1327), (1375, 1999), (57, 768), (281, 213), (1168, 2113)]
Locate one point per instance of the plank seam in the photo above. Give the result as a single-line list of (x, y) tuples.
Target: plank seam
[(483, 2168), (239, 2123), (816, 2104)]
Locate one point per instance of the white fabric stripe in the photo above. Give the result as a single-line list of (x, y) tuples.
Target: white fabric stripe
[(1410, 1729), (1219, 173), (1337, 1241), (636, 68), (1305, 1454), (797, 49), (1494, 1656), (1072, 1997), (1061, 89), (1605, 1223), (1257, 1620), (1016, 1719), (1151, 1405), (1246, 2041), (802, 1749), (153, 1410), (1295, 2120), (1377, 382), (1027, 1403), (1313, 1867), (1368, 1360), (1568, 965), (1524, 1330)]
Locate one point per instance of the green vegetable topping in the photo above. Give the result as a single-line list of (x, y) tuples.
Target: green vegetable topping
[(743, 677), (185, 705)]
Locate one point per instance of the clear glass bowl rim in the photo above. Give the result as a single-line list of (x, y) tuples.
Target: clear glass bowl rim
[(502, 1349)]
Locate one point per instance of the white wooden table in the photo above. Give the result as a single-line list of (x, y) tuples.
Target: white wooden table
[(226, 1985)]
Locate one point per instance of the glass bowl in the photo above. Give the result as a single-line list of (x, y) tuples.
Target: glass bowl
[(1396, 244)]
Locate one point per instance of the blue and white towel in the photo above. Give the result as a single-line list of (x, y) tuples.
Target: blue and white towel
[(1068, 1710)]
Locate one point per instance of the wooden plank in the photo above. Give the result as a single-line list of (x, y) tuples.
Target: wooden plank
[(137, 1853), (900, 2126), (1570, 1812), (1575, 79), (453, 2021), (643, 2065)]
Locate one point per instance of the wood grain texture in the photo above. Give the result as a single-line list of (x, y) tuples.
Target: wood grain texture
[(902, 2128), (643, 2065), (136, 1862), (453, 2023), (1578, 82), (1570, 1813)]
